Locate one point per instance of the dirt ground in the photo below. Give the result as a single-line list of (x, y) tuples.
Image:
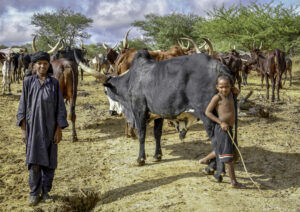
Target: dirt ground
[(99, 172)]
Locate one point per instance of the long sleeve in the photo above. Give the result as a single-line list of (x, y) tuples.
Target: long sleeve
[(21, 114), (61, 111)]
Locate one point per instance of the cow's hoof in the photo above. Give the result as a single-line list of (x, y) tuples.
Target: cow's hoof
[(74, 139), (141, 162), (157, 158), (113, 113), (182, 134)]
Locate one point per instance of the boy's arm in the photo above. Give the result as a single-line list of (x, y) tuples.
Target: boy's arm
[(211, 106)]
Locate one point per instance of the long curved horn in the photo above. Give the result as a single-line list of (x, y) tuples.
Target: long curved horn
[(195, 45), (254, 45), (33, 44), (54, 49), (180, 44), (51, 47), (200, 47), (125, 39), (210, 49), (260, 45), (62, 45), (103, 78), (104, 46), (115, 45), (188, 45)]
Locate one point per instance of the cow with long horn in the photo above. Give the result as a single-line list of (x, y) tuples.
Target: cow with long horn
[(165, 89)]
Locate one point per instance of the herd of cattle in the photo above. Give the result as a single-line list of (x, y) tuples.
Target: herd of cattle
[(176, 84)]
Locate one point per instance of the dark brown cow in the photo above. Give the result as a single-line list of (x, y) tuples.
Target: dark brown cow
[(66, 72), (271, 65), (288, 69), (124, 60)]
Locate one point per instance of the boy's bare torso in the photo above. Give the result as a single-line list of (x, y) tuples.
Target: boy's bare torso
[(225, 109)]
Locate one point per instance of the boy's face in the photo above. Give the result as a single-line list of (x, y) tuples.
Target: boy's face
[(41, 66), (224, 87)]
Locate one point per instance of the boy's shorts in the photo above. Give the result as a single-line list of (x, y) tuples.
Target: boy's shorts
[(222, 144)]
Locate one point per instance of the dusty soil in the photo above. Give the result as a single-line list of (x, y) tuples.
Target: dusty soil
[(99, 172)]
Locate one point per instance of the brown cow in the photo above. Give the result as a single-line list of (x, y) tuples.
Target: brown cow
[(66, 72), (271, 65)]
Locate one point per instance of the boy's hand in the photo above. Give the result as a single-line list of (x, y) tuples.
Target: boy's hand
[(224, 126), (235, 91), (57, 135)]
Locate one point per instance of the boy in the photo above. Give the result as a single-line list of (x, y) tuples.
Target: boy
[(223, 104)]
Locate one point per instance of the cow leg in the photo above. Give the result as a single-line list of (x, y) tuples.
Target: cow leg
[(262, 80), (244, 74), (131, 132), (290, 71), (73, 119), (278, 86), (285, 76), (140, 120), (273, 88), (157, 131), (81, 70), (268, 86)]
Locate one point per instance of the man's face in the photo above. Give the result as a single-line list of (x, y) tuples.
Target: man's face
[(224, 87), (41, 66)]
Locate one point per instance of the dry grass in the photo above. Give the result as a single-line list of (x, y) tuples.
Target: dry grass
[(99, 172)]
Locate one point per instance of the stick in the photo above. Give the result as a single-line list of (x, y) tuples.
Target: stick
[(243, 161)]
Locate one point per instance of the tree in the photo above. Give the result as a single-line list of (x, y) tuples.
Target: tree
[(167, 30), (63, 23), (274, 26)]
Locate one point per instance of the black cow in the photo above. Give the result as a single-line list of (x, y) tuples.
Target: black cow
[(165, 89), (23, 64)]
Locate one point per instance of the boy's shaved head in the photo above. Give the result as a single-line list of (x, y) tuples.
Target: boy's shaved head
[(224, 77)]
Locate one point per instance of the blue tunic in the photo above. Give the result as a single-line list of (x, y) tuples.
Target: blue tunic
[(43, 107)]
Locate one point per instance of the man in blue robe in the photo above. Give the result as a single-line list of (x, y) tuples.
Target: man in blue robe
[(41, 115)]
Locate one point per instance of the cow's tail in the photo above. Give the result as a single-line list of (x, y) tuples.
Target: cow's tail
[(74, 95)]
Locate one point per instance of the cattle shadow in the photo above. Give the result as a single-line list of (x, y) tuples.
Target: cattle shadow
[(15, 97), (112, 128), (118, 193), (273, 170)]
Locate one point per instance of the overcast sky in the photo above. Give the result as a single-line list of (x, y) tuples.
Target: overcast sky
[(112, 18)]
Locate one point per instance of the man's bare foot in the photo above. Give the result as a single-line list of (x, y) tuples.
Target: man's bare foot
[(238, 185), (203, 161)]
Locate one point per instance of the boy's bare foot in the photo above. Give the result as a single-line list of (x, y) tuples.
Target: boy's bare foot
[(238, 185), (204, 161)]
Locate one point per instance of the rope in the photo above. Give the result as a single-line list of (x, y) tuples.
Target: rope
[(243, 161)]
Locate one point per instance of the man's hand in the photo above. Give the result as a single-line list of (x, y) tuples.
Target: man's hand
[(57, 135), (23, 127), (224, 126), (24, 139)]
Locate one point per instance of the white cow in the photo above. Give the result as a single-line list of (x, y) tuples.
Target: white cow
[(7, 74)]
